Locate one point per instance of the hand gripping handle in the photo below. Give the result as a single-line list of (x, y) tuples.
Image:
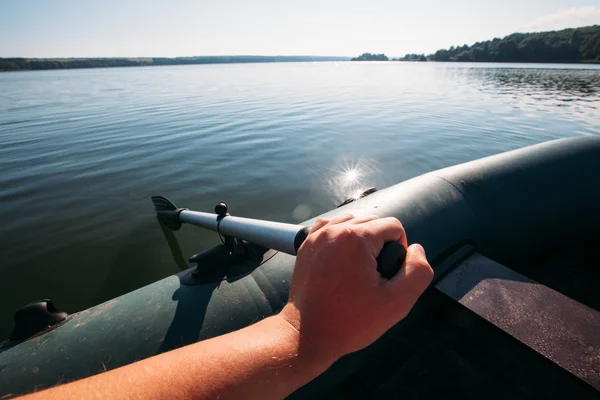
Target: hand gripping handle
[(389, 261)]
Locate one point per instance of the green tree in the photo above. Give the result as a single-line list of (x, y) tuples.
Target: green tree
[(567, 45)]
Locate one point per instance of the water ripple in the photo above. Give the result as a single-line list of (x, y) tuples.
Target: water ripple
[(81, 151)]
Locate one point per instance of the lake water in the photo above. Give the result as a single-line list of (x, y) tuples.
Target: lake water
[(82, 151)]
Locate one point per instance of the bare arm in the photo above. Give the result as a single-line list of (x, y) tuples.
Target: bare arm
[(260, 361), (338, 304)]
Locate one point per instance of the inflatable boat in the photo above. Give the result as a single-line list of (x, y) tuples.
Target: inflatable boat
[(512, 311)]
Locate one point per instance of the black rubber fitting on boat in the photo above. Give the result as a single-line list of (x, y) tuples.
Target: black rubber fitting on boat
[(35, 318)]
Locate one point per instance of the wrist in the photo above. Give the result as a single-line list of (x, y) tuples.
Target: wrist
[(310, 354)]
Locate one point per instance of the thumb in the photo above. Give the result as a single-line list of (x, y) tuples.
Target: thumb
[(415, 274)]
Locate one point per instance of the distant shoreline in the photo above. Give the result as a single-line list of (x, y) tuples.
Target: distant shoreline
[(394, 60), (40, 64), (341, 59), (568, 46)]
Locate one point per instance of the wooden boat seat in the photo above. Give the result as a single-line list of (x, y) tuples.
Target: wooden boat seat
[(554, 325)]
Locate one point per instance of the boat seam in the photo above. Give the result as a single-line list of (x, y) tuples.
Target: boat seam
[(459, 191)]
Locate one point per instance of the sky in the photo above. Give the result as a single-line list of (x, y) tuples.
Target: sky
[(130, 28)]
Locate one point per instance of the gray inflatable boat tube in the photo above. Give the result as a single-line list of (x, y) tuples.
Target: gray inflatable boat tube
[(529, 200)]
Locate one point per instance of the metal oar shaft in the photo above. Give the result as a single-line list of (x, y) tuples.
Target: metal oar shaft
[(286, 238), (274, 235)]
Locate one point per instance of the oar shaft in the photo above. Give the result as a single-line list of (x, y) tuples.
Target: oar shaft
[(286, 238), (275, 235)]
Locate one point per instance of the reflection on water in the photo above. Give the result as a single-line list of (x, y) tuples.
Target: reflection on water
[(349, 179), (82, 151), (546, 90), (579, 85)]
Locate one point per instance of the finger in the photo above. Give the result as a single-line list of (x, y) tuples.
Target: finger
[(363, 219), (321, 222), (385, 230), (341, 219), (414, 275)]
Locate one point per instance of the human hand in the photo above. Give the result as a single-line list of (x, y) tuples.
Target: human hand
[(338, 301)]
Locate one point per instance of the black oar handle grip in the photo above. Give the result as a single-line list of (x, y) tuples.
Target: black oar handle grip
[(301, 237), (389, 261)]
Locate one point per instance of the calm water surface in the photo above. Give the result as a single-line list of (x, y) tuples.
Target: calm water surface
[(81, 152)]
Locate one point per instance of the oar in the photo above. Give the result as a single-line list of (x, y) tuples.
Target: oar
[(278, 236)]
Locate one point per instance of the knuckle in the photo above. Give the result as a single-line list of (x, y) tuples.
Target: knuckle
[(395, 222), (322, 221), (348, 234), (323, 235)]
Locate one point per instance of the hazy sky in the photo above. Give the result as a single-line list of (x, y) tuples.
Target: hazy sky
[(85, 28)]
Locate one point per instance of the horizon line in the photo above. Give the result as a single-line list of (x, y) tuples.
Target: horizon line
[(210, 55)]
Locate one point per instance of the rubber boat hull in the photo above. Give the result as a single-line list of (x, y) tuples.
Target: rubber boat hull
[(522, 202)]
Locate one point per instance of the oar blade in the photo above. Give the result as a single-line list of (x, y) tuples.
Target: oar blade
[(167, 212)]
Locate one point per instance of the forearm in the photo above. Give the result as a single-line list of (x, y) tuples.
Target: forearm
[(268, 360), (338, 304)]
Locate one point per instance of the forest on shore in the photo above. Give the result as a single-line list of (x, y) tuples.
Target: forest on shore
[(371, 57), (27, 64), (565, 46), (574, 45)]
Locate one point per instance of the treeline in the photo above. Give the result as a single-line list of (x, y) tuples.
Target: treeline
[(18, 64), (565, 46), (411, 57), (26, 64), (241, 59), (575, 45), (383, 57), (371, 57)]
